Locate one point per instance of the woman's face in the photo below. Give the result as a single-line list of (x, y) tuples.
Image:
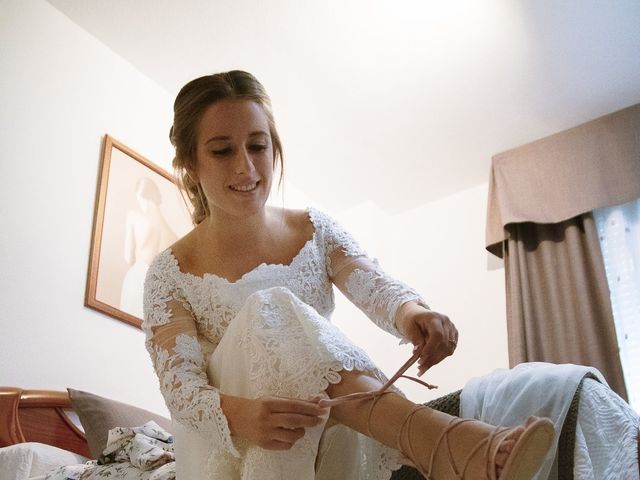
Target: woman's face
[(234, 157)]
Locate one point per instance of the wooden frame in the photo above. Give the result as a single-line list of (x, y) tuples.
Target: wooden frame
[(39, 416), (139, 212)]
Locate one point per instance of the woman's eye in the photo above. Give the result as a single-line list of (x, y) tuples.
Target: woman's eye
[(221, 152), (258, 147)]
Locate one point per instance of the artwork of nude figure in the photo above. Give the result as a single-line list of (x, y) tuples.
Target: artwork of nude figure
[(147, 233)]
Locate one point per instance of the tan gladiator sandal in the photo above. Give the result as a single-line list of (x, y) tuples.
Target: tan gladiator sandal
[(523, 462)]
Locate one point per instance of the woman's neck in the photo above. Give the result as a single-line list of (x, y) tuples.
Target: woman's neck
[(224, 229)]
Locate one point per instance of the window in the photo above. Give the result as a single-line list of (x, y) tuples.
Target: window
[(619, 234)]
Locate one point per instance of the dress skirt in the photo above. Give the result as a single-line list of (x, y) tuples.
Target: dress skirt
[(278, 345)]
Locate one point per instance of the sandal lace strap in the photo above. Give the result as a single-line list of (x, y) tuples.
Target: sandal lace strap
[(330, 402)]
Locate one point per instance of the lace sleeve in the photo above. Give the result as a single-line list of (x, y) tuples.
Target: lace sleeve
[(176, 353), (361, 279)]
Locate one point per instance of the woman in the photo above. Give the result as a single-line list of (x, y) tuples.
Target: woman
[(236, 318)]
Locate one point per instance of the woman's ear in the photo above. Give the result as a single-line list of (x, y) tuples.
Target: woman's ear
[(192, 174)]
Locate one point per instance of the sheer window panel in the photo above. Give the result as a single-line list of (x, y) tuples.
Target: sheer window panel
[(619, 234)]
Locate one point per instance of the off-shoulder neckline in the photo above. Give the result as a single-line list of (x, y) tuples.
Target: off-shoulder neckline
[(311, 212)]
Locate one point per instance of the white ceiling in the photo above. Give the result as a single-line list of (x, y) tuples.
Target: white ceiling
[(396, 102)]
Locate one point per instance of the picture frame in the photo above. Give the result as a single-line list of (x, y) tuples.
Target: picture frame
[(139, 212)]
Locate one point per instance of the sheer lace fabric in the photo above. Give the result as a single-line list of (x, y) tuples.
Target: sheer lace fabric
[(188, 317)]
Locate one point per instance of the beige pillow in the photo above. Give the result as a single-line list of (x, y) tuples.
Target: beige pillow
[(98, 415)]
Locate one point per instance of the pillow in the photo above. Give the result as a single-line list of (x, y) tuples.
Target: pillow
[(26, 460), (98, 415)]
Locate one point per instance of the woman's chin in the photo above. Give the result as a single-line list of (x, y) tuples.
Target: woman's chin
[(249, 205)]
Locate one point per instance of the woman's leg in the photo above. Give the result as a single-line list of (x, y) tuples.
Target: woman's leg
[(416, 431)]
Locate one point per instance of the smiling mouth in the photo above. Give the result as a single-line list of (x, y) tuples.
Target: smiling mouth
[(247, 187)]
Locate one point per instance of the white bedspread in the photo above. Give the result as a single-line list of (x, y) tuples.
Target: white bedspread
[(29, 460), (508, 397)]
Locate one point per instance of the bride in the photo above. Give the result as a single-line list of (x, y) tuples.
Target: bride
[(237, 322)]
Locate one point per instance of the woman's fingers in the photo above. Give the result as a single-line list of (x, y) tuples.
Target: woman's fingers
[(433, 353), (301, 407), (439, 339), (276, 445), (288, 435), (292, 421), (284, 421)]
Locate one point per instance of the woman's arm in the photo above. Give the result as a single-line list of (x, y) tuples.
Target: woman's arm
[(172, 341), (388, 302)]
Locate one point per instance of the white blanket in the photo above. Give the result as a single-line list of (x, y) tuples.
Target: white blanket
[(28, 460), (508, 397)]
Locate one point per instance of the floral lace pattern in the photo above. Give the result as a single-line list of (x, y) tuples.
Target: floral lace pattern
[(286, 359), (211, 303), (283, 347), (379, 296), (183, 381)]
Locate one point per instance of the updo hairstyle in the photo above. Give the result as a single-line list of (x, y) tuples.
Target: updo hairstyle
[(189, 105)]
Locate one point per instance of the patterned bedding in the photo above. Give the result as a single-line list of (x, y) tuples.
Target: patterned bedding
[(139, 453)]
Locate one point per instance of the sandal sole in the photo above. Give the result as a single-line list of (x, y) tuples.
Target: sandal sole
[(530, 451)]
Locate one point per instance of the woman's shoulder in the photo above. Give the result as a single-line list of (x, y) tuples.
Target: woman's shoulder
[(309, 216), (322, 221), (160, 276), (182, 247), (314, 220), (296, 222), (310, 220), (332, 234), (170, 259)]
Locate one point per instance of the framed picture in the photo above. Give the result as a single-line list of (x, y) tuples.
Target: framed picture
[(139, 212)]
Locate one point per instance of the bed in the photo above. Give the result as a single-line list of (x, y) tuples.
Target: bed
[(44, 429), (43, 416), (48, 417), (75, 425)]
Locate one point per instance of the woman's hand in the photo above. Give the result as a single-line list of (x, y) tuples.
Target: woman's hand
[(272, 423), (431, 333)]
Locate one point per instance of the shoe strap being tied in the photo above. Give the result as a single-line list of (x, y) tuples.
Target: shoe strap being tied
[(375, 394)]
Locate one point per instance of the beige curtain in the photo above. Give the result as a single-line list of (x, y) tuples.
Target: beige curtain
[(540, 198), (593, 165), (558, 299)]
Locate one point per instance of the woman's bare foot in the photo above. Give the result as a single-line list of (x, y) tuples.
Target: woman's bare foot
[(505, 448), (523, 450)]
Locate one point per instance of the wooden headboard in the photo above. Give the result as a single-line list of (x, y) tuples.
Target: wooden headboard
[(39, 416)]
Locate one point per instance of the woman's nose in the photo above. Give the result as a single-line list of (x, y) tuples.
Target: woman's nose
[(243, 163)]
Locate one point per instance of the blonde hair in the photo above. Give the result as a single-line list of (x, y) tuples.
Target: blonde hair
[(188, 107)]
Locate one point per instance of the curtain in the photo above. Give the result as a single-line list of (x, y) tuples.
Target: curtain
[(558, 306), (619, 235), (593, 165), (538, 218)]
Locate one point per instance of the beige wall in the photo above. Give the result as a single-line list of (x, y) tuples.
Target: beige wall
[(61, 91)]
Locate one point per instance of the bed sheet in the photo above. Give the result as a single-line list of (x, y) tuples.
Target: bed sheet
[(31, 460)]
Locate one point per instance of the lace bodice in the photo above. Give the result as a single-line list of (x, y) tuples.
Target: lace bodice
[(185, 316)]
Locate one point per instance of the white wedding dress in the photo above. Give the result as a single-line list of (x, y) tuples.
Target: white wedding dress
[(268, 333)]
